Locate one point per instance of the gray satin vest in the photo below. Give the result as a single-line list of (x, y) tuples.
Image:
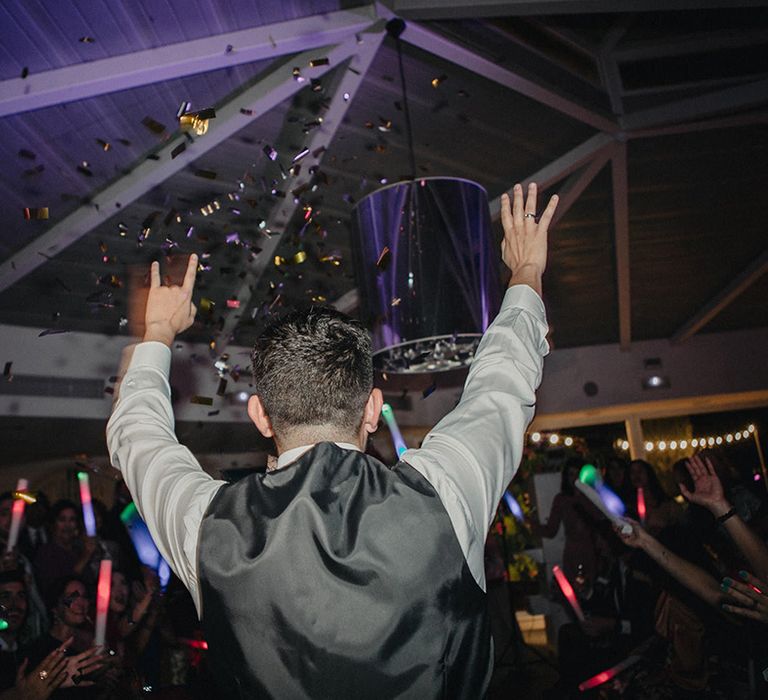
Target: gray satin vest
[(337, 577)]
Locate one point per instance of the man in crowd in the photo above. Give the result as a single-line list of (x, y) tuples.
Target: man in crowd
[(333, 575)]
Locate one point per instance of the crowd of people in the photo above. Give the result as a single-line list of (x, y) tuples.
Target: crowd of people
[(684, 592), (48, 585)]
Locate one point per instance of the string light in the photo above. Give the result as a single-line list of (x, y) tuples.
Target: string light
[(701, 442), (552, 439)]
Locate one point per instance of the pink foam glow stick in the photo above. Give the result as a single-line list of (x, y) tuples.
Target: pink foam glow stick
[(17, 513), (568, 592), (102, 601), (641, 504), (605, 676)]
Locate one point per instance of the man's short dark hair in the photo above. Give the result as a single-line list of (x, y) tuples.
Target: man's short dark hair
[(313, 367)]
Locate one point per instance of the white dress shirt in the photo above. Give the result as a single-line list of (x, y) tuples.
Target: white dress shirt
[(469, 457)]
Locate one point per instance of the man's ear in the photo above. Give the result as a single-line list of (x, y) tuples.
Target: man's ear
[(259, 416), (372, 411)]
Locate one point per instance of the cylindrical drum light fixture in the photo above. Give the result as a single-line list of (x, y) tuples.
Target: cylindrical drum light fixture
[(427, 272)]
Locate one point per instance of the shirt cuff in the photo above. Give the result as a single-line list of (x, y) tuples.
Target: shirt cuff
[(152, 354), (524, 297)]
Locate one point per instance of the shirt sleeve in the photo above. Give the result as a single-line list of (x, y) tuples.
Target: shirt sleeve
[(473, 453), (168, 485)]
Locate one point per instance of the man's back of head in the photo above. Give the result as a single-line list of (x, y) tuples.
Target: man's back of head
[(313, 373)]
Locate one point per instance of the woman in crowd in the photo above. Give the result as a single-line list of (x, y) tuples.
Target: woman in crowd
[(660, 510), (579, 518), (67, 552)]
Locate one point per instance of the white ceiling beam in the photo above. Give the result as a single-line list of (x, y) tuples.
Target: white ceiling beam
[(696, 43), (560, 167), (342, 95), (446, 49), (721, 300), (607, 65), (650, 410), (461, 9), (265, 94), (84, 80), (575, 185), (706, 125), (740, 97), (621, 242)]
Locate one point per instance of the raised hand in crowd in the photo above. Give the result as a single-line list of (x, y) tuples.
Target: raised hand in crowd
[(40, 683), (82, 665), (747, 598), (708, 492), (169, 307)]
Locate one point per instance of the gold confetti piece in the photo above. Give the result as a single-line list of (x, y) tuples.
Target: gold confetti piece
[(154, 126), (319, 299), (385, 125), (196, 121), (206, 305), (437, 81), (299, 258), (384, 258), (202, 400), (105, 145), (279, 261), (37, 213), (86, 39), (25, 496), (396, 301), (315, 62)]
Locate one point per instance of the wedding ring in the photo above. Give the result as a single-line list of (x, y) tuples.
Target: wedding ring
[(529, 216), (43, 675)]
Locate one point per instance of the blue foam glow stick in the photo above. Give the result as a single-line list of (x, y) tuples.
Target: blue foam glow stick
[(397, 438)]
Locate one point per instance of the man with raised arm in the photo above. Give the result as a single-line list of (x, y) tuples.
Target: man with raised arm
[(334, 576)]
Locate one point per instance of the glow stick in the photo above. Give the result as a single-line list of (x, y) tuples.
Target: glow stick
[(145, 546), (611, 500), (102, 601), (589, 475), (594, 496), (397, 438), (514, 506), (17, 513), (568, 592), (85, 499), (605, 676), (641, 504)]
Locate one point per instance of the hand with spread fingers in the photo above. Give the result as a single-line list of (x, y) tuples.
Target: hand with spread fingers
[(45, 678), (524, 247), (82, 665), (746, 598), (169, 307), (707, 489)]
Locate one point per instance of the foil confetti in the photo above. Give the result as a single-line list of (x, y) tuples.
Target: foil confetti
[(36, 213), (436, 82), (154, 126), (202, 400), (382, 263), (7, 372), (315, 62)]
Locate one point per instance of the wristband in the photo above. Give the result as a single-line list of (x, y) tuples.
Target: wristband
[(725, 516)]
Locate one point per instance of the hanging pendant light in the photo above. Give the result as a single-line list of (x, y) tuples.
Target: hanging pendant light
[(427, 270)]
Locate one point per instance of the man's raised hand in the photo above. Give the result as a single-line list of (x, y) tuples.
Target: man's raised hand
[(169, 308), (524, 247)]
